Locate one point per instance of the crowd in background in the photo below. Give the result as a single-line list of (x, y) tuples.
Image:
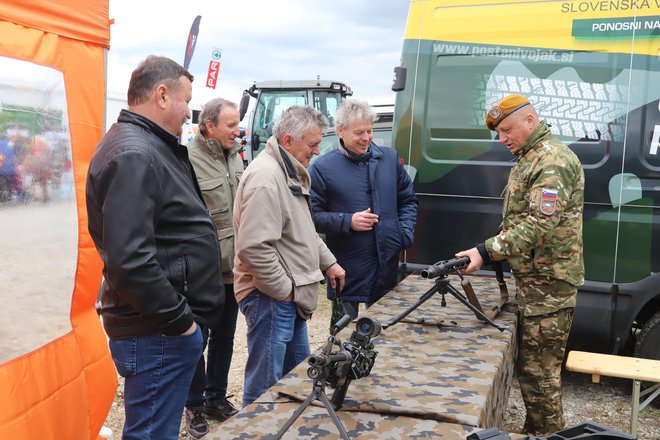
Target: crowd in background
[(34, 166)]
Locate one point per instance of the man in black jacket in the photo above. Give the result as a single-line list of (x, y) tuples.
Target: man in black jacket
[(162, 279)]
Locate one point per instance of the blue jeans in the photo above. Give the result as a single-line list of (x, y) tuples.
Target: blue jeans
[(277, 342), (157, 370), (221, 348)]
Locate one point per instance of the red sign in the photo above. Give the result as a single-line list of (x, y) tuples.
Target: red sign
[(212, 76)]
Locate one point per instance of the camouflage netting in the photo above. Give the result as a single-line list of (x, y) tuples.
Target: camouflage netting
[(439, 372)]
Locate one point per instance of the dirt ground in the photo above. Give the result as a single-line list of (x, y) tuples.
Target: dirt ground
[(36, 273), (607, 403)]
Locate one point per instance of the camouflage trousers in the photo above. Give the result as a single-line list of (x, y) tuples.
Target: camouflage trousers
[(541, 347)]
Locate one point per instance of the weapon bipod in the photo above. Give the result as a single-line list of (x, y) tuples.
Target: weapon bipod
[(443, 287), (318, 393)]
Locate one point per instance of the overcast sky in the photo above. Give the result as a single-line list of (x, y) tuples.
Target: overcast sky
[(355, 41)]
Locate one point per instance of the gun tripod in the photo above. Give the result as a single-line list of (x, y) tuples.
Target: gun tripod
[(443, 287), (318, 393)]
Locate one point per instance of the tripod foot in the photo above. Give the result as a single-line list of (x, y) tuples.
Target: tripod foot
[(317, 394)]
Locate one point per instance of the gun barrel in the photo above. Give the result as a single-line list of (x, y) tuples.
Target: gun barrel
[(442, 268), (339, 325), (321, 360)]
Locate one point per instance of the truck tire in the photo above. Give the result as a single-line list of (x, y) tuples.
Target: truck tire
[(648, 345)]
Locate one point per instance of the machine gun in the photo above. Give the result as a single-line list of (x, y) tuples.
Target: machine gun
[(440, 271), (336, 368), (445, 267)]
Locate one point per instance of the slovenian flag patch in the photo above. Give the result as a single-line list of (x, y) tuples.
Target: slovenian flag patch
[(548, 203)]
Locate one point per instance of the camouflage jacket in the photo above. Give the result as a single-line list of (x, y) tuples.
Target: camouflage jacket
[(541, 233)]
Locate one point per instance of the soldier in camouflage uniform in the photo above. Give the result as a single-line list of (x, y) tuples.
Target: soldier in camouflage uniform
[(541, 238)]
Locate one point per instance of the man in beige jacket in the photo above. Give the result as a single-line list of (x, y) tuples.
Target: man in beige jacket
[(279, 256), (214, 154)]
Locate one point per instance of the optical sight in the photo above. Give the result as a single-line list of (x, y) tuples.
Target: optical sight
[(368, 327)]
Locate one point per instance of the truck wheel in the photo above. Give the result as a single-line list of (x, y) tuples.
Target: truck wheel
[(648, 345)]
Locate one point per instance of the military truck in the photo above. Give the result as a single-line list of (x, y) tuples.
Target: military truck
[(592, 70), (272, 97)]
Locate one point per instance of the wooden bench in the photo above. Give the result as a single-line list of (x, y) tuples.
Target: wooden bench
[(637, 369)]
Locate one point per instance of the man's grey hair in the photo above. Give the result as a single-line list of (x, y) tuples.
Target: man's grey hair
[(151, 72), (297, 120), (211, 112), (353, 110)]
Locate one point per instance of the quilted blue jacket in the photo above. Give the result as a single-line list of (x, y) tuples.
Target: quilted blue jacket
[(344, 183)]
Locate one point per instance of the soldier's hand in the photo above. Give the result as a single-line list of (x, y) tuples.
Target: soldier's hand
[(363, 220), (475, 259)]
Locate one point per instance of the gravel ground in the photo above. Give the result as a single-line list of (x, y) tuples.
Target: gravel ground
[(607, 403)]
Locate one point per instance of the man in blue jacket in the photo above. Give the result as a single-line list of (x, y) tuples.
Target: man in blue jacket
[(364, 203)]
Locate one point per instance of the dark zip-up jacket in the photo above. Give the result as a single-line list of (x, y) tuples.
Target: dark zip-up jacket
[(344, 183), (151, 227)]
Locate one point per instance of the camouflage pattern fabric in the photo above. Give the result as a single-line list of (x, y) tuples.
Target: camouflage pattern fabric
[(337, 312), (542, 295), (439, 373), (263, 421), (542, 343), (541, 230)]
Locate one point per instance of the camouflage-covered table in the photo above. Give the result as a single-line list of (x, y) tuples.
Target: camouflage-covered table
[(439, 373)]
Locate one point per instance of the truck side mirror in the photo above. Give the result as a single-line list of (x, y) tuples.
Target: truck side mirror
[(243, 106), (399, 78)]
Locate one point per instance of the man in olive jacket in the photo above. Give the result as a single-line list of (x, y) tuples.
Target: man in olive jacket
[(541, 238), (279, 256), (214, 154)]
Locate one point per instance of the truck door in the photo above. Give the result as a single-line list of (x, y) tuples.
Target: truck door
[(327, 102)]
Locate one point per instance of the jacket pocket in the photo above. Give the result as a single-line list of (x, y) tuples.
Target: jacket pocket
[(177, 267), (543, 259), (215, 195), (226, 237), (306, 290), (303, 278)]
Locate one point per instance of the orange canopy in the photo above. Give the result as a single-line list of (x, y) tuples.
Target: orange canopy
[(64, 389)]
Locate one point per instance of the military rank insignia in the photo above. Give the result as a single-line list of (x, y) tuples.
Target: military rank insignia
[(495, 112), (548, 203)]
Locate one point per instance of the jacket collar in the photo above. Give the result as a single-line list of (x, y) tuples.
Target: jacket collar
[(297, 177), (130, 117), (541, 133), (213, 148), (373, 151)]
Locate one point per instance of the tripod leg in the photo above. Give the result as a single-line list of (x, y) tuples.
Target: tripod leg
[(478, 313), (422, 299), (313, 396), (342, 431)]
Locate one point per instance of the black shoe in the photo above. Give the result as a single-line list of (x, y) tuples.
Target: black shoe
[(196, 425), (219, 410)]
